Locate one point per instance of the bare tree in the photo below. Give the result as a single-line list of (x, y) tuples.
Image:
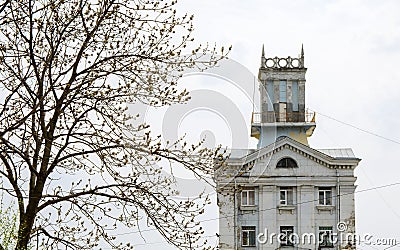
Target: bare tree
[(3, 5), (76, 162)]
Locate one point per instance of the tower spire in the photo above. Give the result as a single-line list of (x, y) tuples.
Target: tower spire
[(263, 51), (262, 57), (302, 55)]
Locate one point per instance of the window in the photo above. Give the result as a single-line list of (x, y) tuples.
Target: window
[(325, 196), (285, 236), (286, 196), (248, 197), (248, 236), (282, 91), (270, 91), (325, 237), (295, 96), (286, 163)]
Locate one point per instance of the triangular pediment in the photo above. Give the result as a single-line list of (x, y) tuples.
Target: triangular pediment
[(319, 157)]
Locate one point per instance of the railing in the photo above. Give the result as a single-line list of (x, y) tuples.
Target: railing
[(272, 117)]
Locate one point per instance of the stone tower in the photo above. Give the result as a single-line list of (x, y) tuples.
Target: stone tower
[(282, 92)]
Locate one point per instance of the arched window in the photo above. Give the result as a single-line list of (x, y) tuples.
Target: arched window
[(286, 163)]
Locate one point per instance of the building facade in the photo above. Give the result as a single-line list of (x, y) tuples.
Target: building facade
[(285, 194)]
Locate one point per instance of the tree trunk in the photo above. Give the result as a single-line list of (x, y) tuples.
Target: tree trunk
[(27, 219)]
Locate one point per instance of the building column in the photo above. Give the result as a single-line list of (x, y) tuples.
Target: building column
[(268, 211), (305, 213), (227, 223)]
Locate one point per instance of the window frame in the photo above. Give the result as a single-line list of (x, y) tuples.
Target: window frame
[(295, 96), (329, 236), (270, 93), (247, 198), (293, 163), (283, 91), (326, 196), (250, 231), (288, 193), (287, 232)]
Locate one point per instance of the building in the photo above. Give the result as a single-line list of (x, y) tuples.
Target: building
[(284, 193)]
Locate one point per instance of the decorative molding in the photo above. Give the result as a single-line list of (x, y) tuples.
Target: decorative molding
[(289, 208), (282, 63), (329, 208), (248, 208)]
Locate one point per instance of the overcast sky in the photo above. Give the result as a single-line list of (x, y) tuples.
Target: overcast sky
[(352, 52)]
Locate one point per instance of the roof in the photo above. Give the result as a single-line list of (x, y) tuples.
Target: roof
[(239, 153), (338, 152)]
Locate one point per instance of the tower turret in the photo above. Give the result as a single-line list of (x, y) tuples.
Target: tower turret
[(282, 92)]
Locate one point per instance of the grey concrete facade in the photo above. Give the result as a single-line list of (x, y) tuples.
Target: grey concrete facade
[(259, 172)]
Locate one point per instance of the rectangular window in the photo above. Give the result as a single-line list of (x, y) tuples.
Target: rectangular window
[(270, 91), (282, 91), (248, 197), (248, 236), (325, 196), (325, 237), (295, 95), (285, 236), (286, 196)]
